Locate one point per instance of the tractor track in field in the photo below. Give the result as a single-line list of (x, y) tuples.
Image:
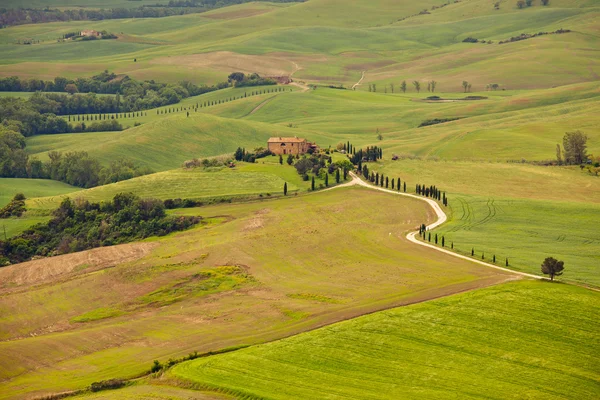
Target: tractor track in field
[(441, 218)]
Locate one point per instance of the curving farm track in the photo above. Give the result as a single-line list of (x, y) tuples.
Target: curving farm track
[(441, 218)]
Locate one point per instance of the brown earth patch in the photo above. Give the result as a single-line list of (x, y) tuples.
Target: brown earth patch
[(47, 269), (229, 61)]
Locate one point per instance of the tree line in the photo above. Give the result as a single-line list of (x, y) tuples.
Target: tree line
[(76, 168), (81, 225), (130, 94), (19, 16), (239, 79)]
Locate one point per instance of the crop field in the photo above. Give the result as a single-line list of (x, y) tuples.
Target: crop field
[(491, 343), (318, 294), (346, 262), (521, 212), (386, 39), (31, 188)]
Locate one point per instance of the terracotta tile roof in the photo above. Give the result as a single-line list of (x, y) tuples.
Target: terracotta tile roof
[(286, 140)]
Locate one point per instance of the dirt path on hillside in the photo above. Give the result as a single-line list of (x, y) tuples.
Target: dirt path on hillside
[(261, 105), (359, 81), (441, 218), (301, 85)]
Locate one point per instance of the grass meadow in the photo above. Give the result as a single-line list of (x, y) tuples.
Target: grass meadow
[(502, 342), (517, 211), (335, 259)]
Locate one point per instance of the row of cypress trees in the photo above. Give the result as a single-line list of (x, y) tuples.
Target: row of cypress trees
[(97, 117), (101, 117), (426, 235)]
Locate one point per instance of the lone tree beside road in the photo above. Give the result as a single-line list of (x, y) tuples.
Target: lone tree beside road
[(551, 266)]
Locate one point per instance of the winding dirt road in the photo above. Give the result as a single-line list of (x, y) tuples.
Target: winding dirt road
[(441, 218), (360, 80)]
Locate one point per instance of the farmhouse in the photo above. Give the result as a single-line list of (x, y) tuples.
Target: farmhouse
[(287, 145), (90, 33)]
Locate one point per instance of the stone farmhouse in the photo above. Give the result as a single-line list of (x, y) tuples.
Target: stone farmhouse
[(289, 145)]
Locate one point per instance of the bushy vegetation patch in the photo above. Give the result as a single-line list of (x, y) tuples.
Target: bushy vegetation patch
[(81, 225), (239, 79), (15, 208), (436, 121), (200, 284)]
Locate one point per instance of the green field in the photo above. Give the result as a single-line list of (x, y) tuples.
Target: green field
[(499, 343), (347, 261), (290, 278), (265, 178)]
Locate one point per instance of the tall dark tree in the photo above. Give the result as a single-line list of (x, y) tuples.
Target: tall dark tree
[(404, 186), (575, 147), (337, 176), (285, 189), (552, 267), (312, 184), (326, 179)]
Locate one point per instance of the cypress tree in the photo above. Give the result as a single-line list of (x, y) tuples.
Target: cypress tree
[(337, 176), (507, 262), (436, 238), (399, 185), (429, 236), (281, 160), (345, 174), (472, 252), (392, 184), (326, 179), (443, 241), (387, 182), (285, 189), (312, 184), (483, 256), (359, 165), (377, 179), (452, 246), (494, 259), (405, 187)]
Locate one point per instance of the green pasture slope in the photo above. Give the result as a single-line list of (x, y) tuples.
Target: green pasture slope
[(318, 42), (503, 342), (266, 178), (31, 188)]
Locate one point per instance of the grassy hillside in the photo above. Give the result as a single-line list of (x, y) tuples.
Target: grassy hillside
[(215, 286), (491, 343), (318, 42), (168, 142), (31, 188), (266, 178), (521, 212)]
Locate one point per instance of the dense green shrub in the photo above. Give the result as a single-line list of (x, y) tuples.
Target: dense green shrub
[(81, 225)]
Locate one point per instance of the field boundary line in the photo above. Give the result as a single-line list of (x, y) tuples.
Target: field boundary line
[(441, 218)]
